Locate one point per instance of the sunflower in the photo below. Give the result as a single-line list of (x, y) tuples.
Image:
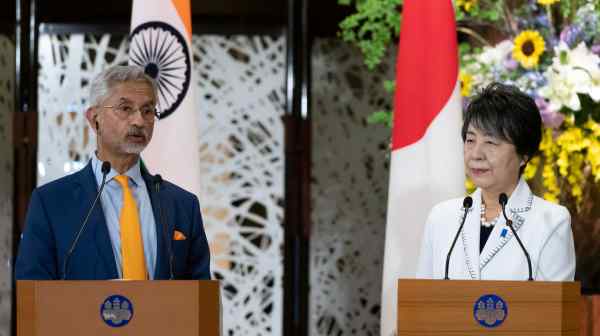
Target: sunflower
[(466, 82), (528, 46), (547, 2), (468, 4)]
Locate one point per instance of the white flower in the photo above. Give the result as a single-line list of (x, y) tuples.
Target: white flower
[(495, 56), (581, 66), (582, 56), (560, 90), (586, 64)]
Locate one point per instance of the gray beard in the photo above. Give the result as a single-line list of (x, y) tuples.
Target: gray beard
[(133, 148)]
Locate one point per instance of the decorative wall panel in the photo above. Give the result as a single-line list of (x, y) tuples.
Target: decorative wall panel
[(349, 191), (239, 87), (7, 107), (67, 65)]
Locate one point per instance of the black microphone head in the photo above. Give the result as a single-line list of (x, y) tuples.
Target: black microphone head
[(503, 199), (467, 202), (105, 167)]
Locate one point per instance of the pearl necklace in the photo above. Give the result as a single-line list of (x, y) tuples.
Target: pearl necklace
[(485, 223)]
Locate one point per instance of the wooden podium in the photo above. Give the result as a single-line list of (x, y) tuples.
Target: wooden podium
[(118, 308), (452, 307)]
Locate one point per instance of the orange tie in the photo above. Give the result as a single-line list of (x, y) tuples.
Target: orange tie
[(132, 247)]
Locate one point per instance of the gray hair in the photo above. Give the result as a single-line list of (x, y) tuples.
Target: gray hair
[(110, 77)]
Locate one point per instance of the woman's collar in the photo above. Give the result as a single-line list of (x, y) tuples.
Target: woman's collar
[(519, 201)]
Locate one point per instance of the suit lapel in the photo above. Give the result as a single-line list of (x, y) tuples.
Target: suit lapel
[(470, 236), (499, 236), (518, 205), (163, 234), (97, 222)]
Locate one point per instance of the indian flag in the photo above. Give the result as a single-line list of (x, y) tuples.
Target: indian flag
[(427, 159), (160, 42)]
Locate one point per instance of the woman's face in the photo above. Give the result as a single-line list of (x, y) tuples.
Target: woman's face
[(491, 163)]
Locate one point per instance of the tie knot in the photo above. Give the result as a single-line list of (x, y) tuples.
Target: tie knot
[(123, 180)]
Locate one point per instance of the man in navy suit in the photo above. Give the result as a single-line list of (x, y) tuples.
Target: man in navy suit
[(169, 234)]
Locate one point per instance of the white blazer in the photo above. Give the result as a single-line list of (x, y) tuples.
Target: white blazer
[(544, 229)]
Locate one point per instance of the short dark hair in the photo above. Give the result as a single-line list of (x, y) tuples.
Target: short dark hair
[(503, 111)]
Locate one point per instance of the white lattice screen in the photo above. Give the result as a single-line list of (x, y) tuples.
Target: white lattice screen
[(349, 191)]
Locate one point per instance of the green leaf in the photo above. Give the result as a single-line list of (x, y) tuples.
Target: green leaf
[(373, 27), (564, 57), (494, 15), (464, 48), (389, 86), (565, 9), (381, 117)]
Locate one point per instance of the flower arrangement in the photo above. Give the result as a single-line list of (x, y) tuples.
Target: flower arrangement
[(549, 49)]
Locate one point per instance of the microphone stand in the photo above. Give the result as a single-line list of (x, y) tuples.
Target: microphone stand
[(105, 170), (503, 200), (467, 203)]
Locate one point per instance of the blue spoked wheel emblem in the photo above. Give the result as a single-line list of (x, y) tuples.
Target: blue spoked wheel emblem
[(116, 311), (490, 311), (164, 54)]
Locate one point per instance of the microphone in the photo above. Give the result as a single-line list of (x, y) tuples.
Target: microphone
[(467, 203), (157, 182), (503, 199), (105, 169)]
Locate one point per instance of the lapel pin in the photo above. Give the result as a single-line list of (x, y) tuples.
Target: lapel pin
[(503, 233)]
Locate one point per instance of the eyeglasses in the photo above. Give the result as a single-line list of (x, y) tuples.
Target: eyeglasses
[(124, 111)]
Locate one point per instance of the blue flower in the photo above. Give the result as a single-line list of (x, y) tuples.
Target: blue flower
[(571, 35)]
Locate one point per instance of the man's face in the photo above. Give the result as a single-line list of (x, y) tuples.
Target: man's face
[(125, 119)]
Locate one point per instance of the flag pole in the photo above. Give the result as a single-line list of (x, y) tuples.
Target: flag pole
[(297, 174)]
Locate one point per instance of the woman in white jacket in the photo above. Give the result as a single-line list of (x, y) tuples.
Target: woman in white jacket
[(501, 133)]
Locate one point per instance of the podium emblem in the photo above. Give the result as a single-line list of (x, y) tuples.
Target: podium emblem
[(490, 311), (116, 311)]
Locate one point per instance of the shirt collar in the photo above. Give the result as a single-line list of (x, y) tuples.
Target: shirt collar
[(134, 173)]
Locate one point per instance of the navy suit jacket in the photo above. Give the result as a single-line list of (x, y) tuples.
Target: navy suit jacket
[(56, 213)]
